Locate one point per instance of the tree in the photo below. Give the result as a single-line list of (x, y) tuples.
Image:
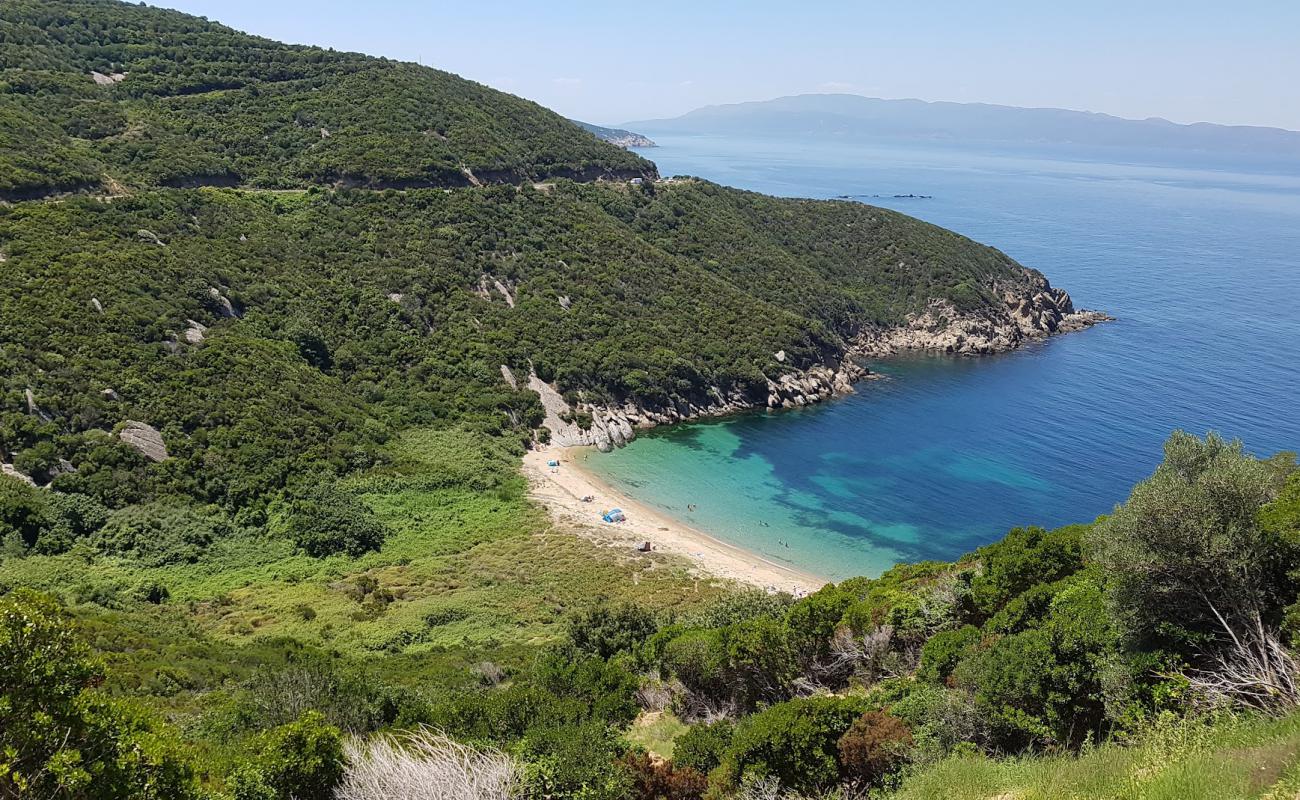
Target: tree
[(1186, 559), (59, 736), (326, 520), (24, 510)]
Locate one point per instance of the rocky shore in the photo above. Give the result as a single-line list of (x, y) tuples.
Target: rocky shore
[(1030, 311)]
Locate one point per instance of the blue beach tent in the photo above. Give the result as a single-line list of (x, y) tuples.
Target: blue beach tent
[(614, 515)]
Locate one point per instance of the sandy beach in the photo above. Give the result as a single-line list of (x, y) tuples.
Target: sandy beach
[(561, 489)]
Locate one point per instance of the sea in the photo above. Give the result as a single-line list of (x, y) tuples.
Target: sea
[(1197, 258)]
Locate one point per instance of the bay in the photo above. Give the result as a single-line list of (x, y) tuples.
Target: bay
[(1199, 261)]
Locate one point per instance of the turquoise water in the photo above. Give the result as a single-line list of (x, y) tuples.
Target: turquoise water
[(1201, 264)]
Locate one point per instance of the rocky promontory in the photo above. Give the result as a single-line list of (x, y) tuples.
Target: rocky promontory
[(1030, 310)]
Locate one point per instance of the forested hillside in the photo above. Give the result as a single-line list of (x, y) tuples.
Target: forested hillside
[(101, 95), (266, 335)]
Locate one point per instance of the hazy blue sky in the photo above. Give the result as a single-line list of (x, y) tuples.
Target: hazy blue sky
[(1232, 62)]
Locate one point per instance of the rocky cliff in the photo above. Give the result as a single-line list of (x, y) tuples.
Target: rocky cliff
[(1031, 310)]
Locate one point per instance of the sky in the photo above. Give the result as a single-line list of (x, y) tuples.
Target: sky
[(610, 62)]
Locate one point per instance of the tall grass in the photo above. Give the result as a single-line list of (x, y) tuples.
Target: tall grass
[(425, 765)]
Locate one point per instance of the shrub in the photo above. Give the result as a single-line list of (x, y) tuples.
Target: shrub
[(606, 689), (604, 630), (59, 737), (653, 780), (1023, 558), (740, 606), (300, 761), (874, 746), (941, 720), (1044, 685), (574, 761), (797, 742), (311, 682), (161, 533), (702, 746), (941, 652)]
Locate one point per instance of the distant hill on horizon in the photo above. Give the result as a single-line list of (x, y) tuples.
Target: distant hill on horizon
[(848, 116)]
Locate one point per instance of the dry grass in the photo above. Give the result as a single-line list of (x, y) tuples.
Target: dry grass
[(425, 765)]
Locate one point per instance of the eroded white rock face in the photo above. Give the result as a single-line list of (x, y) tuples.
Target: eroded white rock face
[(609, 428), (615, 426), (144, 438)]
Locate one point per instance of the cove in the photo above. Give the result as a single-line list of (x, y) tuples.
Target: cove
[(1200, 263)]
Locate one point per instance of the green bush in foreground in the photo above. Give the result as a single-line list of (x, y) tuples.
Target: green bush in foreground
[(302, 760), (59, 736)]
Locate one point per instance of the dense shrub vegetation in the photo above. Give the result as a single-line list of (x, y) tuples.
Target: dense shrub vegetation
[(195, 102), (1038, 643)]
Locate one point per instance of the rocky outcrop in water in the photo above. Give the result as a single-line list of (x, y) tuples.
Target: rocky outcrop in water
[(1030, 311)]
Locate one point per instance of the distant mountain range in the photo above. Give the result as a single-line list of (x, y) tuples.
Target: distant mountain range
[(616, 136), (847, 116)]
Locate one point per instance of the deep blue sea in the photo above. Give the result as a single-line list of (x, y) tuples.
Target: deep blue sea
[(1199, 262)]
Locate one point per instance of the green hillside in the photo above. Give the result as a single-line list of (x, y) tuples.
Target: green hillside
[(97, 94), (269, 334)]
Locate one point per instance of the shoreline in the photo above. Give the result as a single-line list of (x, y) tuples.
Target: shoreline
[(561, 489)]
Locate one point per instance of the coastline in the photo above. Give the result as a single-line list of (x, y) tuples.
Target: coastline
[(561, 489)]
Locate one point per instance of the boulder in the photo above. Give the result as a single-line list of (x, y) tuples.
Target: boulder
[(195, 333), (149, 236), (144, 438), (12, 471), (224, 306)]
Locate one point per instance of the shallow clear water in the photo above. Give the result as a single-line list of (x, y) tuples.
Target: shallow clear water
[(1201, 266)]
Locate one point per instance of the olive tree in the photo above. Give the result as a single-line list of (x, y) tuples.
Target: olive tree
[(1189, 565)]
